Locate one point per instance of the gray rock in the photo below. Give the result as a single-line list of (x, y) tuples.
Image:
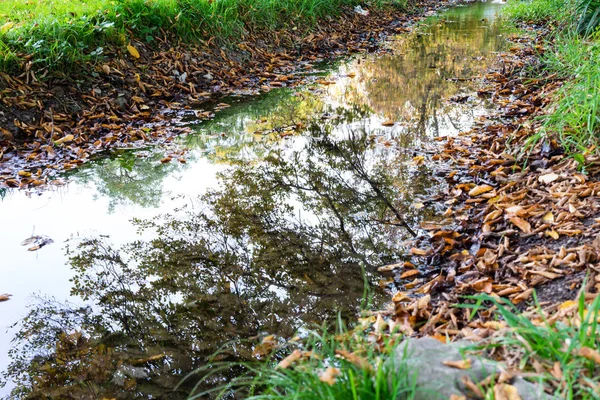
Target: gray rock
[(423, 359)]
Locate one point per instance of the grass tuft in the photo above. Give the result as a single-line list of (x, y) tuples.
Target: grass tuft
[(345, 365)]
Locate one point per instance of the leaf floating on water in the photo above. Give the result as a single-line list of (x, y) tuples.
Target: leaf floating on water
[(37, 242), (133, 51), (481, 189)]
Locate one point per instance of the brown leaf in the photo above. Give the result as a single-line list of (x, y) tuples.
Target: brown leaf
[(354, 359), (4, 297), (388, 123), (590, 354), (461, 364), (481, 189), (409, 273), (418, 252), (289, 360), (521, 224), (548, 217)]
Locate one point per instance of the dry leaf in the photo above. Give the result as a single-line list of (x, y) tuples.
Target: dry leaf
[(521, 224), (388, 123), (65, 139), (552, 233), (289, 360), (548, 217), (329, 375), (106, 69), (354, 359), (481, 189), (418, 252), (408, 274), (4, 297), (504, 391), (548, 178), (590, 354), (461, 364)]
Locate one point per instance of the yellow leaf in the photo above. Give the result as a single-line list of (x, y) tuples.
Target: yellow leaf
[(567, 304), (521, 224), (6, 27), (24, 173), (504, 391), (548, 218), (477, 190), (133, 51), (552, 233), (65, 139)]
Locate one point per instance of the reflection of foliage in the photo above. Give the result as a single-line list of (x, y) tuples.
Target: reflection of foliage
[(129, 179), (252, 261), (410, 85)]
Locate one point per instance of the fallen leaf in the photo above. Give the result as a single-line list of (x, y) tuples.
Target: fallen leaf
[(504, 391), (65, 139), (461, 364), (552, 233), (388, 123), (133, 51), (521, 224), (590, 354), (409, 273), (289, 360), (548, 178), (481, 189), (106, 69), (329, 375), (418, 252), (5, 297), (548, 217)]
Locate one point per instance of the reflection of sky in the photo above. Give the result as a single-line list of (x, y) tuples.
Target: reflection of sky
[(78, 210)]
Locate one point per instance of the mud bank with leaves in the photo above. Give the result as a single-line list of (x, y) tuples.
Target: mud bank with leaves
[(137, 93)]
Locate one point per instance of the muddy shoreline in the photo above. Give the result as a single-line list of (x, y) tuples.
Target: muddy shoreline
[(52, 126)]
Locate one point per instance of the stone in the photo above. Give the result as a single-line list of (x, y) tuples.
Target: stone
[(423, 359)]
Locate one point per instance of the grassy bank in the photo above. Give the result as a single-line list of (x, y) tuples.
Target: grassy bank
[(555, 347), (60, 35), (574, 50)]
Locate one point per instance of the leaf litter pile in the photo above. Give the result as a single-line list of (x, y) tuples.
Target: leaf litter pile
[(48, 126), (516, 227)]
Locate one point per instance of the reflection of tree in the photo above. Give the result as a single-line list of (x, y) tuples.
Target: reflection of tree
[(279, 246), (129, 179)]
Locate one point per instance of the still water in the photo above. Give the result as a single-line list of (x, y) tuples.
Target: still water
[(284, 208)]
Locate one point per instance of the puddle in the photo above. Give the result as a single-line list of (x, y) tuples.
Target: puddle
[(275, 219)]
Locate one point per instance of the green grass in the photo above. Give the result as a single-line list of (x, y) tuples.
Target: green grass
[(573, 116), (60, 34), (552, 344), (378, 379)]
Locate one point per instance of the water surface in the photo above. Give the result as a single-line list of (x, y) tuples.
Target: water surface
[(278, 219)]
